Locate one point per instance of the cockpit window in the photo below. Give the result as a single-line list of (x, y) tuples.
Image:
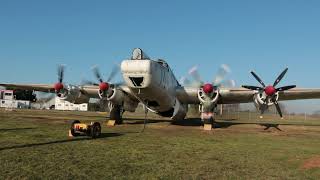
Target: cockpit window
[(163, 63)]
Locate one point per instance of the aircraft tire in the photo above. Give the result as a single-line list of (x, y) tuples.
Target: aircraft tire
[(95, 130), (116, 114), (208, 121), (73, 133)]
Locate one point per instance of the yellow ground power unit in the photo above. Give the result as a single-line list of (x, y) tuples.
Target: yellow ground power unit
[(81, 129)]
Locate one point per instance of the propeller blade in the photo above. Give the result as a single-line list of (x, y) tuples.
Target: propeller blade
[(43, 97), (262, 110), (221, 75), (258, 78), (278, 108), (60, 73), (254, 88), (97, 73), (285, 88), (114, 72), (185, 81), (52, 96), (193, 72), (280, 77), (120, 83), (227, 83)]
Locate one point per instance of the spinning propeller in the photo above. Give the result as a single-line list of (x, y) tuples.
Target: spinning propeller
[(218, 81), (270, 90), (104, 86), (59, 85)]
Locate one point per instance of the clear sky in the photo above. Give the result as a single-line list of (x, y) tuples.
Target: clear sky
[(265, 36)]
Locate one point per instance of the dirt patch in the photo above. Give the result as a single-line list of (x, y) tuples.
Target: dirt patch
[(312, 163)]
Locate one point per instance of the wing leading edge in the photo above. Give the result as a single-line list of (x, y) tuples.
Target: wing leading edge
[(90, 91)]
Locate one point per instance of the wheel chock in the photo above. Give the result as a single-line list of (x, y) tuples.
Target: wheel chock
[(111, 123), (207, 127)]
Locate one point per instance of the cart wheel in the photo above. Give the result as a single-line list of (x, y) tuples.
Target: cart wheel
[(73, 132), (95, 130)]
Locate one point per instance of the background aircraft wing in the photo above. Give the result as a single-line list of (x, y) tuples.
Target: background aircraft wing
[(242, 95)]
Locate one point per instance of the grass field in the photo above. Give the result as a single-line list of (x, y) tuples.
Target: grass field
[(35, 145)]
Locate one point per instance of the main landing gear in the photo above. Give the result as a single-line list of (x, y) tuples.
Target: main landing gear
[(116, 113), (208, 120)]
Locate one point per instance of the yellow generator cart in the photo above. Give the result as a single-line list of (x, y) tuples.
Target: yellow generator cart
[(80, 129)]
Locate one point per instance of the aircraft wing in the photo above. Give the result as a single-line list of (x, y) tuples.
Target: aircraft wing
[(241, 95), (36, 87), (90, 91)]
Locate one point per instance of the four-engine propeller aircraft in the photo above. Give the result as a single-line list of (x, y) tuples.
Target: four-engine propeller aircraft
[(152, 83)]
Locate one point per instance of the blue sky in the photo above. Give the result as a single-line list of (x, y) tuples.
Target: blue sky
[(265, 36)]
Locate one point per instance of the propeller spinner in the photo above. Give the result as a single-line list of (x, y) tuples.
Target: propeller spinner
[(208, 88), (271, 90)]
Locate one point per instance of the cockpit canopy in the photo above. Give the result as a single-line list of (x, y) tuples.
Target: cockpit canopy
[(138, 54), (163, 63)]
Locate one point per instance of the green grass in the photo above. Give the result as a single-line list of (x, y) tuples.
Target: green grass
[(34, 145)]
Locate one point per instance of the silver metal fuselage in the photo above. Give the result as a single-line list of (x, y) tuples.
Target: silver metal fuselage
[(152, 82)]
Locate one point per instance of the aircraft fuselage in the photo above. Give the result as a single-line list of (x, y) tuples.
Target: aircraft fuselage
[(152, 82)]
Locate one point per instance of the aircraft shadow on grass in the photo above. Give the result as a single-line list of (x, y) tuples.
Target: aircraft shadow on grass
[(141, 121), (266, 126), (103, 135), (225, 123), (187, 122), (195, 122)]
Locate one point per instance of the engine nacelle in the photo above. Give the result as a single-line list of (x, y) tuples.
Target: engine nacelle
[(118, 97), (259, 101), (208, 101), (73, 95)]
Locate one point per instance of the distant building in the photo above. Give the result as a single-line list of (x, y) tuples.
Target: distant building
[(67, 106), (8, 100)]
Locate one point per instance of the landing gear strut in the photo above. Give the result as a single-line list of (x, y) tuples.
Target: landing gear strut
[(116, 115), (208, 120)]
